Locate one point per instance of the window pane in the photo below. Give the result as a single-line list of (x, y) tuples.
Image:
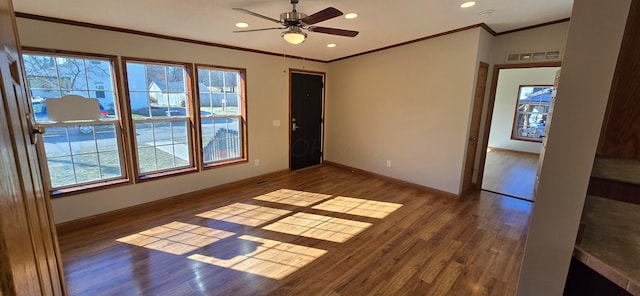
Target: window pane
[(61, 171), (175, 77), (71, 73), (109, 164), (68, 148), (139, 104), (56, 142), (162, 145), (86, 167), (232, 104), (136, 77), (205, 103), (157, 90), (147, 159), (42, 76), (99, 77), (106, 137), (221, 139)]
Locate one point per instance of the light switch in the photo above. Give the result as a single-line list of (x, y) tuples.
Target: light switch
[(276, 122)]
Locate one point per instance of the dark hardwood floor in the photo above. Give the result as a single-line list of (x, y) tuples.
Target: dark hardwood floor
[(321, 231), (511, 173)]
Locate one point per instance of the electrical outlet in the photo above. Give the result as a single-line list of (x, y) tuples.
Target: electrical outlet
[(388, 163), (256, 162)]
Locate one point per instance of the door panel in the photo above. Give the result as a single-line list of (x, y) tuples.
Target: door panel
[(28, 248), (474, 131), (307, 92)]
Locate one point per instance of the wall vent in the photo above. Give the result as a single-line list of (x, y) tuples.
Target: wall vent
[(533, 56)]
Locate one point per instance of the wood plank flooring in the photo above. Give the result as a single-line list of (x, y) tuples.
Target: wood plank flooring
[(321, 231), (510, 173)]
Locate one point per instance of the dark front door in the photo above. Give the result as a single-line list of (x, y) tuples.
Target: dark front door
[(306, 120)]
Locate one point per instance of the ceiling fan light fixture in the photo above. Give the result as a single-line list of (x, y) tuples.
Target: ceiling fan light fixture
[(351, 15), (468, 4), (294, 35)]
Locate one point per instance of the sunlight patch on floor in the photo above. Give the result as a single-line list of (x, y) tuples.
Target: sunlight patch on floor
[(359, 207), (293, 197), (176, 238), (260, 256), (272, 259), (318, 227), (245, 214)]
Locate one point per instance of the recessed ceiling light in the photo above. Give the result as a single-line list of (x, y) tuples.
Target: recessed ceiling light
[(330, 45), (242, 25), (468, 4), (351, 15)]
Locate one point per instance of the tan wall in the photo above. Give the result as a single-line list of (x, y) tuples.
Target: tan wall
[(267, 97), (591, 54), (505, 105), (410, 105)]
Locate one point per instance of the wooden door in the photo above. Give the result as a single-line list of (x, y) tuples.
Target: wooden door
[(307, 95), (474, 131), (29, 257)]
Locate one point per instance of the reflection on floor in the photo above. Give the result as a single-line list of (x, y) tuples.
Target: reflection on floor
[(260, 256), (510, 173), (322, 231)]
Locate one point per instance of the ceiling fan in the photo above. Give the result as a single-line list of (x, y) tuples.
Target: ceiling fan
[(295, 22)]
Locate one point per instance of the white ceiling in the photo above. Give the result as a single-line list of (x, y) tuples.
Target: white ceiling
[(381, 22)]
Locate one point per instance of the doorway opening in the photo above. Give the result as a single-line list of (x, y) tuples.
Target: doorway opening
[(509, 160)]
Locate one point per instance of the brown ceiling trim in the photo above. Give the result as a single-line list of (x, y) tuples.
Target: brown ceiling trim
[(481, 25), (534, 26), (147, 34), (488, 29)]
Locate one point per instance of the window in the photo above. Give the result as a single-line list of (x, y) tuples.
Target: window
[(160, 100), (532, 111), (222, 112), (164, 118), (76, 153)]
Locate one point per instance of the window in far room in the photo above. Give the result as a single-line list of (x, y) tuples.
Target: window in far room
[(532, 111)]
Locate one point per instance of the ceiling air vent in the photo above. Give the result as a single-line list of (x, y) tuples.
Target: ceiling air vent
[(533, 56)]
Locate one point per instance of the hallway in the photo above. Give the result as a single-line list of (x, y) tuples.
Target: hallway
[(510, 173)]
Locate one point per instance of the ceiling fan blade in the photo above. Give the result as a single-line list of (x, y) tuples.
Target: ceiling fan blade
[(255, 30), (322, 15), (333, 31), (257, 14)]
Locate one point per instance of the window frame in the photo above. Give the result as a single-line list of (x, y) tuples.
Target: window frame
[(119, 125), (514, 125), (244, 137), (191, 121)]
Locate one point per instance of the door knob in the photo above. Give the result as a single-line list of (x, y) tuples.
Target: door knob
[(35, 128), (294, 126), (38, 129)]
